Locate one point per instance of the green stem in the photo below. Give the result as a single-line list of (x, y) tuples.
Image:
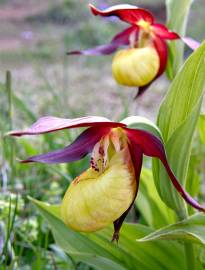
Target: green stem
[(9, 93), (188, 248), (10, 125), (190, 256)]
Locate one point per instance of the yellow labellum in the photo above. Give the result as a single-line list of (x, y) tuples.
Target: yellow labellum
[(94, 200), (135, 67)]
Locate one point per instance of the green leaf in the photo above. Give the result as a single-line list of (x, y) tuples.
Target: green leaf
[(97, 250), (150, 204), (177, 119), (177, 15), (193, 176), (190, 230), (201, 127)]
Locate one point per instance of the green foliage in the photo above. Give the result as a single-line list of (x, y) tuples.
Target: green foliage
[(148, 200), (177, 119), (97, 250), (201, 127), (150, 205), (191, 230)]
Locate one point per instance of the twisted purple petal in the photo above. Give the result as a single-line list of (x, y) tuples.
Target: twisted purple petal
[(191, 43), (75, 151), (99, 50), (119, 40)]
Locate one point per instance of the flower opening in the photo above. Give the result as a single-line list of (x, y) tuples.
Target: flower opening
[(96, 199), (133, 67)]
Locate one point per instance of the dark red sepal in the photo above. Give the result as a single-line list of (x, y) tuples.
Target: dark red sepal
[(123, 37), (127, 13), (137, 158), (161, 48), (162, 31), (142, 89)]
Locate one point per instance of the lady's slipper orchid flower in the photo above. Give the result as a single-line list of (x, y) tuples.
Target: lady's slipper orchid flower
[(145, 56), (106, 191)]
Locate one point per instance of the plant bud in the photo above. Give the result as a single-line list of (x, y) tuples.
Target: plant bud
[(135, 67), (94, 200)]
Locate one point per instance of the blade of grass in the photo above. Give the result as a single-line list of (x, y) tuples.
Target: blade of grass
[(11, 143), (10, 226)]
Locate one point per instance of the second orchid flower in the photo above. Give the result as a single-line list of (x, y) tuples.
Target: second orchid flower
[(145, 55)]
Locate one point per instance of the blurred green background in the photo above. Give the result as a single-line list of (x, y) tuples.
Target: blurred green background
[(34, 37)]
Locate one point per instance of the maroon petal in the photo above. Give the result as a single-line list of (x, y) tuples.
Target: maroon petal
[(142, 89), (190, 42), (99, 50), (124, 36), (137, 157), (119, 40), (75, 151), (50, 124), (127, 13), (161, 47), (163, 32), (153, 147)]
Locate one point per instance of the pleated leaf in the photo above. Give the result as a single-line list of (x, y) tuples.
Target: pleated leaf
[(201, 127), (96, 249), (177, 120), (190, 230)]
